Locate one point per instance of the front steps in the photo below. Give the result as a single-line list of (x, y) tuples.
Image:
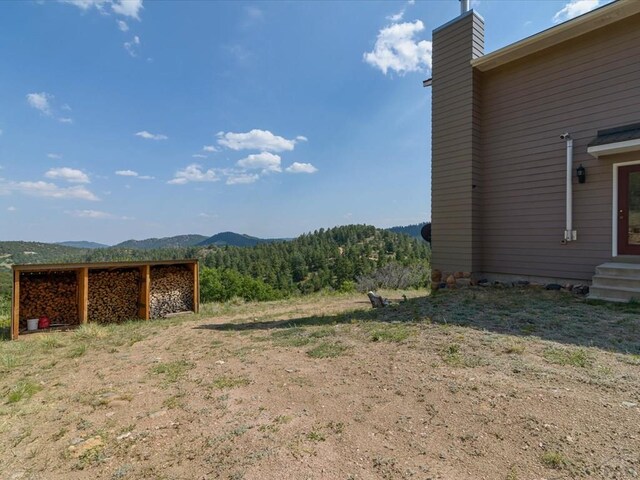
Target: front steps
[(616, 282)]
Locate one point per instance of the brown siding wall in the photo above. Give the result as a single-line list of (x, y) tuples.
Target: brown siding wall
[(587, 84), (455, 145)]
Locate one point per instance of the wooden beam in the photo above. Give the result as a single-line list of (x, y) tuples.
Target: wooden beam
[(42, 267), (144, 309), (15, 306), (83, 295)]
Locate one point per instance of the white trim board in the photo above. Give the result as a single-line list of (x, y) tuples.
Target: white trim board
[(612, 148), (614, 209)]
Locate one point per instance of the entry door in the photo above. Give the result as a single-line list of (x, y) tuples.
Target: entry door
[(629, 210)]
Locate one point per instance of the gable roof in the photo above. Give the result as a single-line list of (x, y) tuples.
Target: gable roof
[(568, 30)]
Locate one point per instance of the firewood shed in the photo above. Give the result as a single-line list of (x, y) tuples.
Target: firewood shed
[(74, 294)]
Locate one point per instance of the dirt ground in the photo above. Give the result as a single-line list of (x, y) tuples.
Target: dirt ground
[(476, 384)]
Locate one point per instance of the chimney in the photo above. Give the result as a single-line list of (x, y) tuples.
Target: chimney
[(464, 6), (455, 145)]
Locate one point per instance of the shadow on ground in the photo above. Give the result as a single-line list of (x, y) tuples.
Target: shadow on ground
[(526, 312)]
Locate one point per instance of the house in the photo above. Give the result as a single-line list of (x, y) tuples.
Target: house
[(536, 152)]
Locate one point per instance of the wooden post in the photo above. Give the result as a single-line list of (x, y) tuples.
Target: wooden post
[(144, 301), (15, 306), (196, 287), (83, 294)]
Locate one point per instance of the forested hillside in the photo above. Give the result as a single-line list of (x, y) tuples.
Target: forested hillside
[(38, 252), (83, 244), (411, 230), (178, 241), (333, 258), (340, 258), (231, 238)]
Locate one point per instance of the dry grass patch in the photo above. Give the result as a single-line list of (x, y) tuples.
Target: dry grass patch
[(172, 371), (325, 386)]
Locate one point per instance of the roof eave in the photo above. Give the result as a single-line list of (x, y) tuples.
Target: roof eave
[(612, 148), (568, 30)]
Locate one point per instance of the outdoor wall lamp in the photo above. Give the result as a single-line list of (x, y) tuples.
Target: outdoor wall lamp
[(581, 172)]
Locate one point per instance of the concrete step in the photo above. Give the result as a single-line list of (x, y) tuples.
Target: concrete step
[(614, 281), (614, 294), (627, 270)]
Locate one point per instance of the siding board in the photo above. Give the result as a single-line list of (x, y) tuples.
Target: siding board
[(580, 86)]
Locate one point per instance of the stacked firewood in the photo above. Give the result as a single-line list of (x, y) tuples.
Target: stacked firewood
[(52, 294), (113, 295), (171, 290)]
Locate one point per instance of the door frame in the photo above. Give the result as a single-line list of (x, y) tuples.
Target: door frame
[(614, 209)]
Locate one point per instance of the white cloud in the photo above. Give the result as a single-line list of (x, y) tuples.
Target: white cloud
[(50, 190), (151, 136), (396, 17), (302, 138), (66, 107), (132, 173), (127, 8), (96, 214), (86, 4), (241, 179), (198, 155), (132, 46), (40, 101), (575, 8), (91, 214), (267, 162), (69, 174), (400, 15), (11, 209), (255, 140), (122, 25), (55, 156), (397, 49), (126, 173), (194, 173), (0, 131), (209, 148), (296, 167), (208, 215)]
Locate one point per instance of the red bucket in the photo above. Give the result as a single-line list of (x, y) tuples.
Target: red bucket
[(44, 322)]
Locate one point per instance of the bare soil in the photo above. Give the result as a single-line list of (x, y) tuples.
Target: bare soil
[(475, 384)]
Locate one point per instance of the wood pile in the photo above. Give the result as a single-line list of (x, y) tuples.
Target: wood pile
[(53, 294), (113, 295), (171, 290)]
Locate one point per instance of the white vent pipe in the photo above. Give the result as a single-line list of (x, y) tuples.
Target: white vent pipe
[(569, 233), (464, 6)]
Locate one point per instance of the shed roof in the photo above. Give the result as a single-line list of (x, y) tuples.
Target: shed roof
[(41, 267)]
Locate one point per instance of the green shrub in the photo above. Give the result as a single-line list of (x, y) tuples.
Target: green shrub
[(223, 285)]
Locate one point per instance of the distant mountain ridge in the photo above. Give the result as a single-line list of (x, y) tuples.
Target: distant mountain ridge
[(179, 241), (235, 240), (411, 230), (28, 252), (83, 244)]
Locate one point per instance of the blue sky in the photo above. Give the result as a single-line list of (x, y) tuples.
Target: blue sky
[(124, 119)]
